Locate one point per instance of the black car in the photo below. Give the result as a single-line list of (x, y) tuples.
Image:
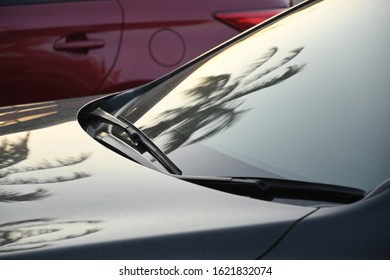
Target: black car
[(274, 145)]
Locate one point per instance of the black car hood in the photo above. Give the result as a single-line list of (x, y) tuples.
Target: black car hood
[(63, 195)]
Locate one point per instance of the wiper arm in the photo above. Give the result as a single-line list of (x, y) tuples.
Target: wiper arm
[(260, 188), (138, 137), (269, 189)]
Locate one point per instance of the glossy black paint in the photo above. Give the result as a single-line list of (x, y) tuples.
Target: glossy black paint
[(356, 231), (63, 195)]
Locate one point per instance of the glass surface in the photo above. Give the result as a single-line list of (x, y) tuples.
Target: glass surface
[(306, 98)]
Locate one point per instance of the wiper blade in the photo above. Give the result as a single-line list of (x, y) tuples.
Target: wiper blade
[(139, 138), (260, 188), (269, 189)]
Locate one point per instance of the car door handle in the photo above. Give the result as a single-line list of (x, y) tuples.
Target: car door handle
[(83, 45), (78, 43)]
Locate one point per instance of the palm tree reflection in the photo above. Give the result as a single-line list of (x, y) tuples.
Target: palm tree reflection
[(11, 196), (215, 101), (16, 151), (39, 233), (13, 152)]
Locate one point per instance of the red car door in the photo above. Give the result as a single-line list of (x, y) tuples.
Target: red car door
[(52, 49)]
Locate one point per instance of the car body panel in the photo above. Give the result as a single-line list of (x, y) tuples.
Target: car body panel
[(62, 49), (40, 59), (67, 196), (356, 231), (157, 38)]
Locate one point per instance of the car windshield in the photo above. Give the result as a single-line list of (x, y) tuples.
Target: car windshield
[(300, 99)]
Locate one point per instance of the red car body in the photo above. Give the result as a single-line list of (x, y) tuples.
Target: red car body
[(54, 49)]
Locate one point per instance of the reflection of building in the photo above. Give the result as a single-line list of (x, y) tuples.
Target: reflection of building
[(32, 234), (28, 117), (23, 113)]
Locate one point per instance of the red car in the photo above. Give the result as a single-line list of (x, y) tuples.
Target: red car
[(53, 49)]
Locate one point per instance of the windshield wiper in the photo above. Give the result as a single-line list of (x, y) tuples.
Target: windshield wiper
[(138, 138), (260, 188), (269, 189)]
